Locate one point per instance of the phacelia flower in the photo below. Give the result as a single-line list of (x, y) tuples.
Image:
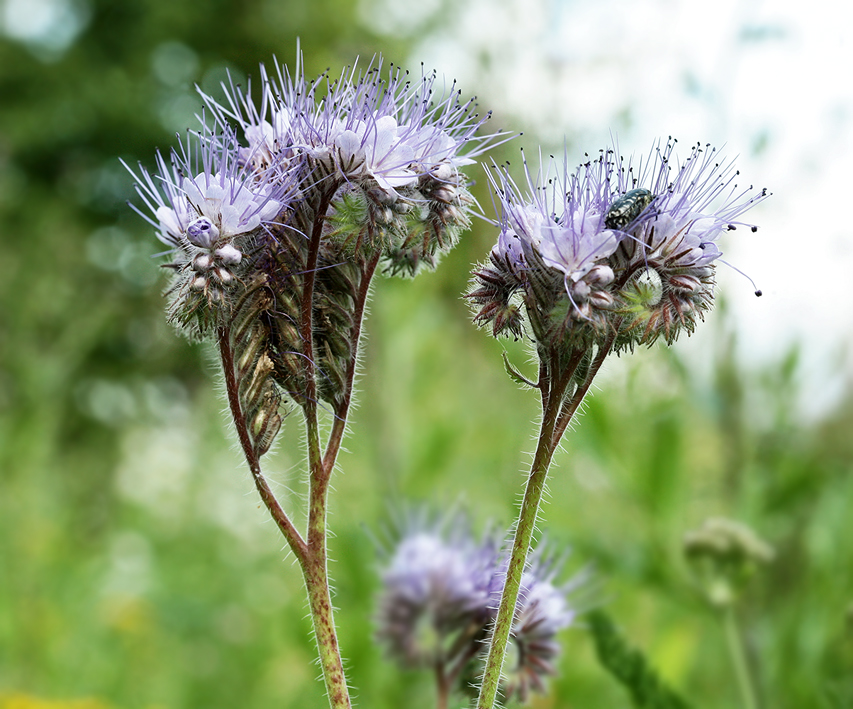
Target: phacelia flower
[(388, 147), (290, 206), (440, 592), (436, 593), (610, 254), (211, 211)]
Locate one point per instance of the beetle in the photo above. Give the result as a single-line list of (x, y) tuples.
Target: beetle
[(627, 208)]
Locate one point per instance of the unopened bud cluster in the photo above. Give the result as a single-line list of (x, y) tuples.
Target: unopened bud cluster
[(279, 215), (440, 593), (612, 253)]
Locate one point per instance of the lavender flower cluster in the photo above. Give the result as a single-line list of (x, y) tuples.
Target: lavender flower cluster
[(278, 215), (385, 151), (440, 592), (612, 253)]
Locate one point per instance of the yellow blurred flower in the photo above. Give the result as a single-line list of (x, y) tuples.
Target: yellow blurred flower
[(26, 701)]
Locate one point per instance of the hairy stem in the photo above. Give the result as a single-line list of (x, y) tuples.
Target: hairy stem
[(552, 399), (306, 328), (342, 411), (315, 569), (570, 406), (557, 413), (320, 603)]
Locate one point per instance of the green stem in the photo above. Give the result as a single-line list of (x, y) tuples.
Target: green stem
[(736, 649), (315, 568), (557, 413), (320, 604), (552, 400)]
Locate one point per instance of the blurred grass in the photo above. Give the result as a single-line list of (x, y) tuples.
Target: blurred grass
[(136, 568)]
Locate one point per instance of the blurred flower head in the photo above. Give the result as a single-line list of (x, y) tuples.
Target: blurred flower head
[(441, 588), (436, 586), (724, 555)]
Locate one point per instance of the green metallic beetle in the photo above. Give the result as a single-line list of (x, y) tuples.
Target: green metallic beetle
[(627, 208)]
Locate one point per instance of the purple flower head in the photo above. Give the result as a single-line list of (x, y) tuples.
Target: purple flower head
[(553, 251), (384, 150), (364, 126), (613, 252), (666, 260), (212, 211), (204, 199), (441, 589), (435, 598)]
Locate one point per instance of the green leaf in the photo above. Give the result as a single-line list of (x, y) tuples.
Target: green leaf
[(630, 667)]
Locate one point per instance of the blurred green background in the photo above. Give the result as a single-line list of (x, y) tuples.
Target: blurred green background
[(137, 570)]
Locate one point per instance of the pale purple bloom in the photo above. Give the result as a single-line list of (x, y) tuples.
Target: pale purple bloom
[(362, 126), (440, 593), (220, 202), (561, 221), (436, 590), (617, 249), (375, 149), (694, 203)]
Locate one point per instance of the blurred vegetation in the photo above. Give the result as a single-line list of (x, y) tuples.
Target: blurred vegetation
[(136, 568)]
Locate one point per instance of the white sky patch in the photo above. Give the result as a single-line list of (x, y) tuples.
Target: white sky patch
[(765, 81), (48, 27)]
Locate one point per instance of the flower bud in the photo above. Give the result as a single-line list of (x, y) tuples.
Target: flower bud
[(724, 555), (601, 299), (685, 283), (600, 275), (580, 290), (223, 275), (228, 255), (202, 233), (202, 263)]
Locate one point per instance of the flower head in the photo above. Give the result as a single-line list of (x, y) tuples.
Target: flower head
[(668, 254), (386, 148), (441, 591), (611, 253), (436, 592), (210, 210)]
